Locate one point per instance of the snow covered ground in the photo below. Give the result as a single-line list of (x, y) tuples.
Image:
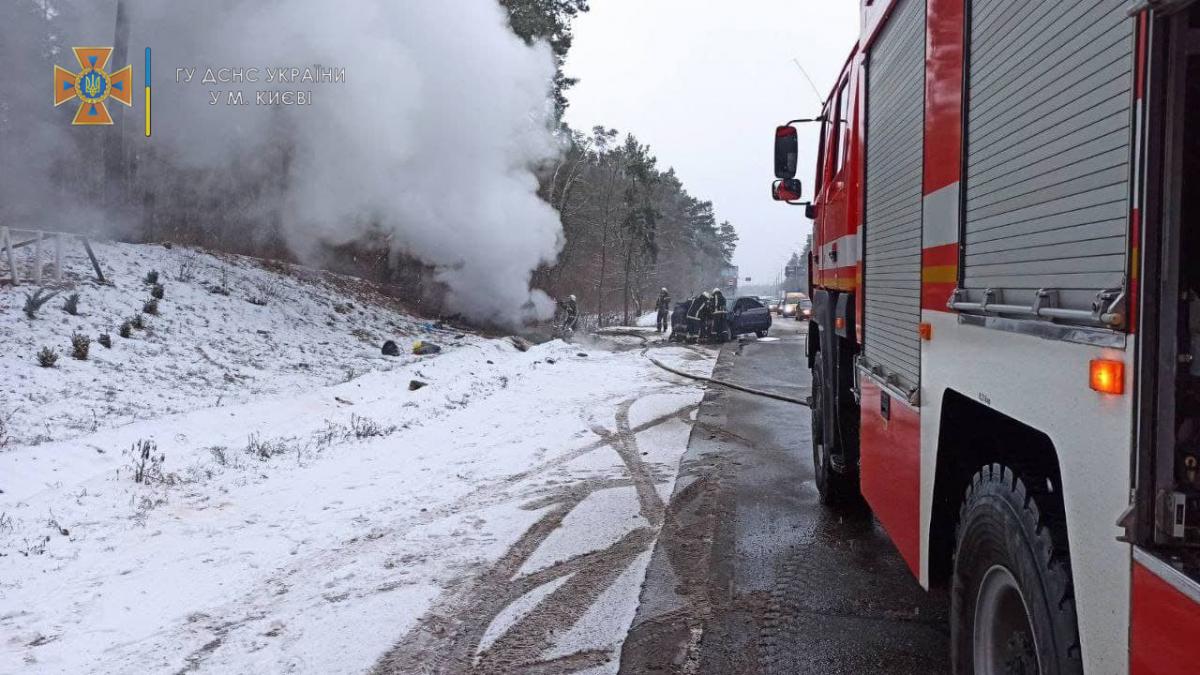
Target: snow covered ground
[(209, 345), (310, 519)]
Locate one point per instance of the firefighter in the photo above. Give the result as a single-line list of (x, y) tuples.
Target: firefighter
[(664, 311), (697, 318), (718, 316), (570, 314)]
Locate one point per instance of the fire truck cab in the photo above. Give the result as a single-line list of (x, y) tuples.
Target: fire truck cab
[(1005, 338)]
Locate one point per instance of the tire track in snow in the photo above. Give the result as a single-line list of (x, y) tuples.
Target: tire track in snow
[(624, 441), (244, 612), (447, 638)]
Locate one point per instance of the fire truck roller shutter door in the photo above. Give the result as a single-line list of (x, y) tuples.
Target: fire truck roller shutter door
[(892, 225), (1049, 112)]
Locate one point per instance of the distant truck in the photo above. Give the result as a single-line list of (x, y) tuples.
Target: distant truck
[(790, 304)]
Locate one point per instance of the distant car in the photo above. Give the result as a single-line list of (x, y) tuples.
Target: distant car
[(773, 304), (790, 301), (804, 310), (749, 315)]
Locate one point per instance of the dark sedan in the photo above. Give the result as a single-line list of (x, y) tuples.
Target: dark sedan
[(748, 315)]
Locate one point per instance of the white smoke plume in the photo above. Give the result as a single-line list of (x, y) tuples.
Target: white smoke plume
[(431, 140)]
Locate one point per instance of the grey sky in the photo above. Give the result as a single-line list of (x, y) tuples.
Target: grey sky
[(704, 83)]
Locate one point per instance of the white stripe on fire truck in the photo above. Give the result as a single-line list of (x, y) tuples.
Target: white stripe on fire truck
[(939, 221), (847, 252), (1177, 580)]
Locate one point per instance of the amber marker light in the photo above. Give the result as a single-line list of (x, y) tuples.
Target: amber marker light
[(1107, 377), (926, 331)]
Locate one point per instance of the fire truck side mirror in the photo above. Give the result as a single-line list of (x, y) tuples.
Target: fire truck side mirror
[(787, 190), (787, 152)]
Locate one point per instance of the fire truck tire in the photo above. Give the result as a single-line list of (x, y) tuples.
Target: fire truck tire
[(833, 488), (1012, 607)]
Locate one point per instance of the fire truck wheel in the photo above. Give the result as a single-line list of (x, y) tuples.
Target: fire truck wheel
[(1012, 608), (832, 487)]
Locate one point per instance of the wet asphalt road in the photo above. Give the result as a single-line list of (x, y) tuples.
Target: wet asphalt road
[(750, 574)]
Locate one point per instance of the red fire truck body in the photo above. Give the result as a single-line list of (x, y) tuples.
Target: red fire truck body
[(1003, 222)]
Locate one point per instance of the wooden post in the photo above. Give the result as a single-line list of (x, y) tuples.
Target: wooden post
[(95, 263), (58, 251), (37, 260), (7, 244)]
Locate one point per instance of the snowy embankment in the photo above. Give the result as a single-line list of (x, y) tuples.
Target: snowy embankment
[(228, 330), (311, 519)]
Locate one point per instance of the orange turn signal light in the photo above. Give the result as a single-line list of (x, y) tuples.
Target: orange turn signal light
[(926, 331), (1107, 377)]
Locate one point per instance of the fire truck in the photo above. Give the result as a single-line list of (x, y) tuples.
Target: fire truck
[(1005, 343)]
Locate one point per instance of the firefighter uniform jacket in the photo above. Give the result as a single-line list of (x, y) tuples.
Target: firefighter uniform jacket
[(718, 302)]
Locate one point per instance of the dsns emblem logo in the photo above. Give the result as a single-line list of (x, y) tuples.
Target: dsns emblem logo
[(93, 85)]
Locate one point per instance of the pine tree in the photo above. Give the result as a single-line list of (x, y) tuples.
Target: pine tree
[(548, 20)]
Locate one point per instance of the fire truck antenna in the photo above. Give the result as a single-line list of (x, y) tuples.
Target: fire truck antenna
[(820, 101)]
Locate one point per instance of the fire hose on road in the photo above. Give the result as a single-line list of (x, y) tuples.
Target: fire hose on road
[(701, 378), (730, 385)]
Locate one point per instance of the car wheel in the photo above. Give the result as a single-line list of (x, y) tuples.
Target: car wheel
[(1012, 604), (761, 333)]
